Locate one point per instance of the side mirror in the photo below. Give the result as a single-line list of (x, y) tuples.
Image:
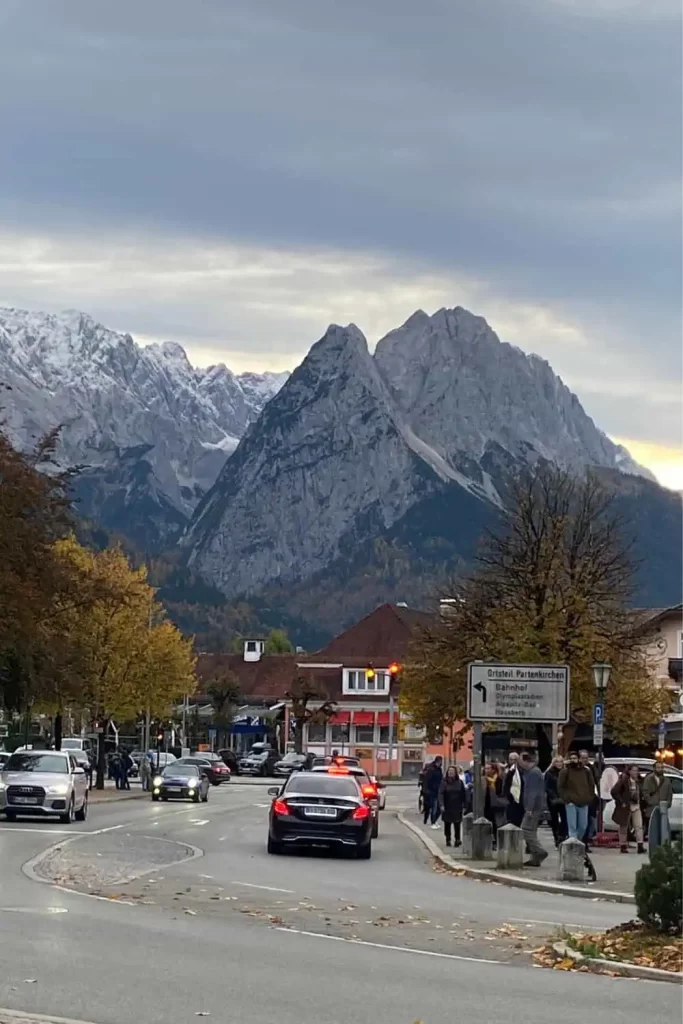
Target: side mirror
[(274, 791)]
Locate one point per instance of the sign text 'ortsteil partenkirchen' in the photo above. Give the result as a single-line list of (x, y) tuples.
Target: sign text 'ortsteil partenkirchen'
[(517, 693)]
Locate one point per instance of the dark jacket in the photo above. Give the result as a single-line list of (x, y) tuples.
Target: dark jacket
[(551, 778), (452, 796), (494, 801), (624, 798), (432, 780), (576, 785), (533, 791), (657, 789)]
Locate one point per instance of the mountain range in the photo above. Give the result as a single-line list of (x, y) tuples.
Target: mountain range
[(358, 478), (151, 431)]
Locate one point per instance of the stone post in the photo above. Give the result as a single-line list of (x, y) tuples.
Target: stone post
[(510, 847), (467, 824), (572, 857), (482, 839)]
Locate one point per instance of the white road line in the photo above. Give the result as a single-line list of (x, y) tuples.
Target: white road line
[(94, 896), (396, 949), (261, 805), (268, 888), (199, 821), (46, 831)]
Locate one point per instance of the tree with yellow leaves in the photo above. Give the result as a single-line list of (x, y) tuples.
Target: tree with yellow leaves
[(552, 586), (126, 658)]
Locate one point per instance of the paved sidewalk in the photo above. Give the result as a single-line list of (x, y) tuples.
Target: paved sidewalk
[(110, 794), (616, 871)]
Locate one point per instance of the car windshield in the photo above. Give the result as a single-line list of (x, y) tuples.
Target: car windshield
[(292, 758), (52, 763), (324, 785), (181, 769)]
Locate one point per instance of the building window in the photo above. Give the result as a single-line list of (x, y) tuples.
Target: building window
[(365, 734), (384, 734), (356, 681), (316, 732), (339, 734)]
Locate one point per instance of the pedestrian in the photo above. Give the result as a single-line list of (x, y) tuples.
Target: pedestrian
[(657, 789), (432, 784), (126, 765), (512, 791), (627, 795), (594, 806), (533, 802), (494, 801), (452, 804), (116, 768), (145, 773), (576, 788), (556, 808)]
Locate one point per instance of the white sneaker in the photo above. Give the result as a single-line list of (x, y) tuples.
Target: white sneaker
[(436, 826)]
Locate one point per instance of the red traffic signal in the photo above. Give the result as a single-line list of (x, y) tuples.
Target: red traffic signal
[(394, 669)]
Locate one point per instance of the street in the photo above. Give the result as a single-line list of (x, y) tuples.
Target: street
[(213, 925)]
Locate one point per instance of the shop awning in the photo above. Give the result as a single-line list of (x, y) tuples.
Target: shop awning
[(341, 718), (363, 718)]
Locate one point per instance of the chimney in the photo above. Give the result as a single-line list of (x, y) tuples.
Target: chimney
[(253, 649), (448, 606)]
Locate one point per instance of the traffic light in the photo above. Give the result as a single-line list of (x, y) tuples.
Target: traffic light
[(160, 736), (370, 672), (394, 671)]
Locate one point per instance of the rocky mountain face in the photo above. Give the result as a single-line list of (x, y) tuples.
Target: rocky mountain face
[(151, 431), (365, 477)]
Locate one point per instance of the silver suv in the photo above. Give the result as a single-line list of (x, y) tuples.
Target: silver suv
[(46, 783)]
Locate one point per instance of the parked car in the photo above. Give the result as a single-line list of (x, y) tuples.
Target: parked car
[(260, 760), (160, 759), (211, 765), (4, 756), (231, 759), (293, 763), (320, 809), (645, 765), (49, 783)]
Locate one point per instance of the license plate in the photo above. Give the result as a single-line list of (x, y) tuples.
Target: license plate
[(25, 800), (320, 812), (174, 789)]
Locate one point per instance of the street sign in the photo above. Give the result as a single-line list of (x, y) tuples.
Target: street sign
[(598, 734), (517, 693), (661, 736), (598, 714)]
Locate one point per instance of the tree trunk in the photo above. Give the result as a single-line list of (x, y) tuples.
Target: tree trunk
[(298, 736)]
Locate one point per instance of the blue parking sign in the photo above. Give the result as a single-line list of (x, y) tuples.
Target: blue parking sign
[(598, 714)]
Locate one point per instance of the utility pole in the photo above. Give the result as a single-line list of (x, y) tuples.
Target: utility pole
[(392, 705)]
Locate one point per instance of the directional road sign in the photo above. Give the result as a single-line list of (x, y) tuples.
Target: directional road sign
[(517, 693)]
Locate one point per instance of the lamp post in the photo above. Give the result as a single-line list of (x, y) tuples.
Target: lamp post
[(601, 674)]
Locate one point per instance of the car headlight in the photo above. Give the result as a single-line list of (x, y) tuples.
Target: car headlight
[(157, 781), (3, 786), (59, 790), (191, 783)]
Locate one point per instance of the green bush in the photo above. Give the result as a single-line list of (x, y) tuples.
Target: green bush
[(659, 889)]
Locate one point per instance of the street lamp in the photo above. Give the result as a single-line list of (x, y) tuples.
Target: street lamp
[(601, 674)]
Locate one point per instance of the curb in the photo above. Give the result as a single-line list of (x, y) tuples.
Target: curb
[(622, 967), (515, 881), (114, 799)]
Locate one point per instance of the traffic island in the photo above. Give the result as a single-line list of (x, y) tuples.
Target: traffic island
[(631, 950)]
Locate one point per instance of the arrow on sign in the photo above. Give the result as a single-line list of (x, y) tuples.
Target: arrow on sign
[(482, 691)]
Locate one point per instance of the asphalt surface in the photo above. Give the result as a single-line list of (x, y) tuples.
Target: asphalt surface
[(162, 912)]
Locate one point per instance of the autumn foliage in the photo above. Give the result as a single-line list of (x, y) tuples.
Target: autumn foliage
[(553, 585)]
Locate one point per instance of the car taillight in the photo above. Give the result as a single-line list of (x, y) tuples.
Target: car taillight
[(369, 792), (280, 807), (361, 812)]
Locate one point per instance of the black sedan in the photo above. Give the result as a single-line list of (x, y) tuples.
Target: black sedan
[(259, 762), (182, 782), (213, 765), (293, 763), (318, 809)]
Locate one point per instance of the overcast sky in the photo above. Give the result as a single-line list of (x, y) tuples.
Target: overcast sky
[(236, 174)]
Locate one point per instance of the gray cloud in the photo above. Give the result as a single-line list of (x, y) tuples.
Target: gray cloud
[(532, 146)]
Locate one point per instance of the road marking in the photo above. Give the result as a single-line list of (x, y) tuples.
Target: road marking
[(33, 910), (199, 821), (46, 831), (268, 888), (261, 805), (396, 949), (93, 896)]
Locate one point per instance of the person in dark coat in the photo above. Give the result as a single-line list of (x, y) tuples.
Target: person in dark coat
[(512, 791), (495, 803), (452, 804), (556, 808), (430, 790), (627, 796)]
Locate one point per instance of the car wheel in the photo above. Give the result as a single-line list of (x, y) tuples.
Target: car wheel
[(375, 827), (82, 814), (364, 852), (155, 798), (66, 819), (10, 815), (274, 846)]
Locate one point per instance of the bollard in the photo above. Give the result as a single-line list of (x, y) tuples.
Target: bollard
[(510, 847), (467, 824), (482, 839), (572, 861)]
